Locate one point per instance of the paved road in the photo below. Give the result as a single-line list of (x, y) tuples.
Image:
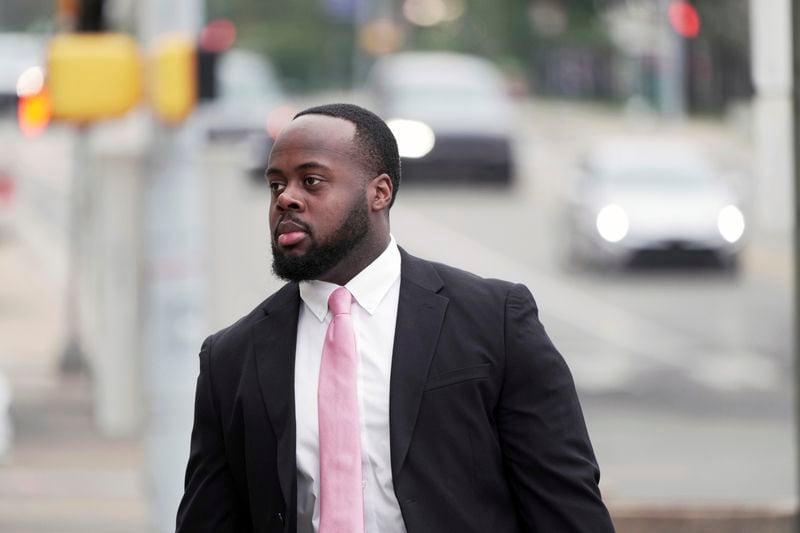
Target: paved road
[(685, 374)]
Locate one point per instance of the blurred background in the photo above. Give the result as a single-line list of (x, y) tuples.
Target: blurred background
[(631, 161)]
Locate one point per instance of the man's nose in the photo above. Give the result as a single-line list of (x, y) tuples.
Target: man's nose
[(290, 198)]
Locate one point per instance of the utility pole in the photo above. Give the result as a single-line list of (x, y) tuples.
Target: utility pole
[(87, 18), (771, 52), (671, 66), (174, 318), (73, 358), (102, 292), (795, 18)]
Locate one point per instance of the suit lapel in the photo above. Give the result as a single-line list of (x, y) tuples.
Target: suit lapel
[(420, 313), (275, 337)]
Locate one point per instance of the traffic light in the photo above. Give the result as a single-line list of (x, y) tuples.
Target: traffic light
[(215, 38), (90, 16), (183, 71), (684, 18), (93, 76), (172, 76)]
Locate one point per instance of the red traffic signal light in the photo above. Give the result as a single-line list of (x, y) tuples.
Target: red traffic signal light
[(218, 36), (684, 18)]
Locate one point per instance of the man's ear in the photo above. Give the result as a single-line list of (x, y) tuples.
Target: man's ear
[(381, 192)]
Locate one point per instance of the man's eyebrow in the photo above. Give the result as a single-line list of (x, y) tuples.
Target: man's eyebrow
[(309, 165), (273, 171)]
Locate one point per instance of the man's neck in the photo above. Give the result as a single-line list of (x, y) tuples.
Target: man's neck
[(359, 259)]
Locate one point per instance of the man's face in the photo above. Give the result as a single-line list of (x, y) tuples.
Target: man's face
[(318, 208)]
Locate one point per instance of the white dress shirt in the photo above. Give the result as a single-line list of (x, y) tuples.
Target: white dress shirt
[(376, 291)]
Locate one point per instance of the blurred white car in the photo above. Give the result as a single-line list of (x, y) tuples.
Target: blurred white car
[(18, 53), (643, 199), (451, 114), (250, 105)]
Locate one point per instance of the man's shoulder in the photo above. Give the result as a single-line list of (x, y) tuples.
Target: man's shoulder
[(457, 281), (450, 274)]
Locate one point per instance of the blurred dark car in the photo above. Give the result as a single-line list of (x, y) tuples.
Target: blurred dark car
[(451, 114), (6, 426), (249, 107), (655, 202)]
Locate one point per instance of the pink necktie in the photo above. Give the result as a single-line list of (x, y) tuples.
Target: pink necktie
[(341, 496)]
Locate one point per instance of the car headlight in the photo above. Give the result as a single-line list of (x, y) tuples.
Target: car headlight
[(612, 223), (415, 139), (30, 82), (730, 223)]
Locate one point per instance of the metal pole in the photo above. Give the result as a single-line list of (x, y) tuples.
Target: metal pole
[(174, 318), (771, 53), (671, 66), (795, 17), (72, 356)]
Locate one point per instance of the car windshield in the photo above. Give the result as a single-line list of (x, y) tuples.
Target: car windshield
[(666, 178), (245, 76), (437, 98)]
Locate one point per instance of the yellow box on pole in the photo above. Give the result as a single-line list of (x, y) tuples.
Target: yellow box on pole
[(93, 76), (173, 77)]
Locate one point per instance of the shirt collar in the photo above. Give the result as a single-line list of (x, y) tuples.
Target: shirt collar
[(368, 287)]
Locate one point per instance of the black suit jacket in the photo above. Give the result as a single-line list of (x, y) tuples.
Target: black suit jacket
[(486, 430)]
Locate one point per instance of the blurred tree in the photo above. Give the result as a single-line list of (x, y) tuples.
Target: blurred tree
[(311, 41), (562, 47), (509, 30), (725, 23), (310, 48), (26, 15), (719, 66), (570, 53)]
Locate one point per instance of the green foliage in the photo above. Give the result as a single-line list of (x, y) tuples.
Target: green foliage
[(321, 58), (25, 15), (308, 49), (314, 51), (728, 27)]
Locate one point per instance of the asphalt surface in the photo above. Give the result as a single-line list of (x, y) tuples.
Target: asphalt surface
[(684, 374)]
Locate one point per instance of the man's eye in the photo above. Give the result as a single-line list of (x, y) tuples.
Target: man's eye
[(276, 186), (310, 181)]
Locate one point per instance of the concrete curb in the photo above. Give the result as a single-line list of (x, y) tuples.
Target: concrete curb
[(706, 519)]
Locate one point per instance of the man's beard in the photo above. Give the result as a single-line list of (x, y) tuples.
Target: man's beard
[(320, 258)]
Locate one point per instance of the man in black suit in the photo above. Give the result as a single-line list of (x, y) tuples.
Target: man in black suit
[(468, 419)]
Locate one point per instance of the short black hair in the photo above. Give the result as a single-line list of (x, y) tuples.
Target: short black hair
[(378, 147)]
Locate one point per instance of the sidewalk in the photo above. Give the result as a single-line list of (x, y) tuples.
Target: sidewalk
[(62, 475)]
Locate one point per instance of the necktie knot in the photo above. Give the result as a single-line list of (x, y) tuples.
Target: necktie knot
[(340, 301)]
